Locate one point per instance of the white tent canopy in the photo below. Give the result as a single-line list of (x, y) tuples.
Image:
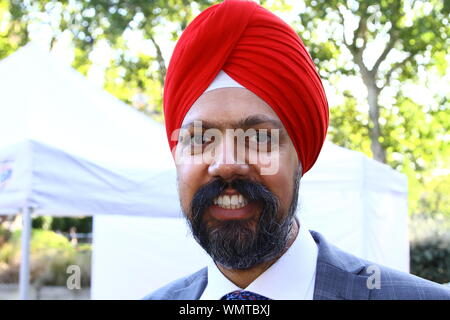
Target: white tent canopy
[(69, 148), (357, 203)]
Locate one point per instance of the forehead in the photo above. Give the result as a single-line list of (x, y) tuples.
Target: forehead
[(228, 106)]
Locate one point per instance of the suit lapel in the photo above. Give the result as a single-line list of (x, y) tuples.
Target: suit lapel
[(338, 275), (336, 284), (194, 287)]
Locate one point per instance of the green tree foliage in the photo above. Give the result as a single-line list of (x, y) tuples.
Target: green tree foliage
[(435, 200), (411, 33), (13, 27), (430, 247), (352, 136), (63, 224), (387, 44)]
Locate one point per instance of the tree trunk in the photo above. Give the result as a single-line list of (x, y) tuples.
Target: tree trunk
[(373, 92), (161, 62)]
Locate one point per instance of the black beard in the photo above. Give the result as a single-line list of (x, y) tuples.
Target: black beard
[(237, 244)]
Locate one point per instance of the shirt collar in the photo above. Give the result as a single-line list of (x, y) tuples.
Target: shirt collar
[(291, 277)]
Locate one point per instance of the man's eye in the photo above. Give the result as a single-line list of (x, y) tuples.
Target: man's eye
[(198, 140), (260, 137), (263, 137)]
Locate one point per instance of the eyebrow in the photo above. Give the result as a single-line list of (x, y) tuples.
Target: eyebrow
[(248, 122)]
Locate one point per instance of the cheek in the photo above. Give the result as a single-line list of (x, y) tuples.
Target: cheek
[(281, 185), (189, 181), (282, 182)]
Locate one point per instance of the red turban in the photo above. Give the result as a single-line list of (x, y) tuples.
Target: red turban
[(262, 53)]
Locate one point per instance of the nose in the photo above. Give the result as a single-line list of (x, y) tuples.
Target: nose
[(227, 163)]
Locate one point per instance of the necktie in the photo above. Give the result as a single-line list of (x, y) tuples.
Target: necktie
[(243, 295)]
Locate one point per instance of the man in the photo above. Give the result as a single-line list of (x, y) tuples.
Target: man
[(246, 117)]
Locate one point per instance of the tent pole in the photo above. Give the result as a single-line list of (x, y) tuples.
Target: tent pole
[(24, 276)]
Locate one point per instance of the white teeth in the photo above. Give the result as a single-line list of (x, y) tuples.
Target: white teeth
[(230, 202)]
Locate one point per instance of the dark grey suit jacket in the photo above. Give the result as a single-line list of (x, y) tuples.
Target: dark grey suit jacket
[(339, 276)]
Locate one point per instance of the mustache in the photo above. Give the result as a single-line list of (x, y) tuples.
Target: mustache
[(240, 244), (252, 191), (235, 244)]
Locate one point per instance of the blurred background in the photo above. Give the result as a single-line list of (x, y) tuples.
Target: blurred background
[(385, 68)]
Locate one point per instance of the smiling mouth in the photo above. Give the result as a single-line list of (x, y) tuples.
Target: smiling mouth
[(235, 201), (231, 205)]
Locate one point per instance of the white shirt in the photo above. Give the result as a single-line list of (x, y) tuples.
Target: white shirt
[(291, 277)]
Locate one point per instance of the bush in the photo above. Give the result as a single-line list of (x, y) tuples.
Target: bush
[(63, 224), (430, 247), (50, 255), (82, 224), (42, 222)]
